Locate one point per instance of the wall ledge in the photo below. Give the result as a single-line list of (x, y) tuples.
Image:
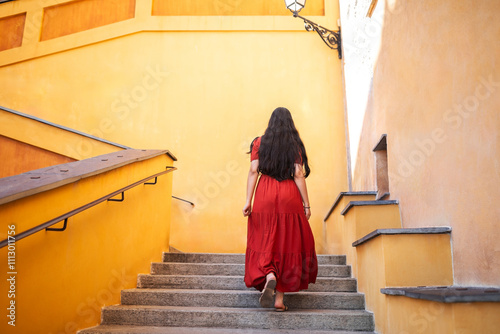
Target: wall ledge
[(40, 180), (65, 128), (398, 231), (382, 144), (366, 203), (447, 294), (347, 193)]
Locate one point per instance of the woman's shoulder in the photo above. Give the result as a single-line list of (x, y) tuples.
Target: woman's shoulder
[(255, 142), (256, 139), (254, 149)]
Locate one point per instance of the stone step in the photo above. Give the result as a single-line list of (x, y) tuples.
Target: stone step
[(213, 282), (258, 318), (236, 258), (118, 329), (231, 269), (241, 298)]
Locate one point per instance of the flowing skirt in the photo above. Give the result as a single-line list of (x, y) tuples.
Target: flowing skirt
[(279, 238)]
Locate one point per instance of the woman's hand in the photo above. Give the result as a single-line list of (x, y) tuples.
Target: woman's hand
[(307, 211), (247, 210)]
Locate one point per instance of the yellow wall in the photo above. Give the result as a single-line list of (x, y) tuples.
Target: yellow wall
[(64, 278), (203, 86), (334, 226), (423, 316), (231, 7), (362, 220), (51, 138), (436, 92), (401, 261)]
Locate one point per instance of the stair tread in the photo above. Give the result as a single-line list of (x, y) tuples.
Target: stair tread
[(227, 269), (212, 309), (229, 264), (233, 317), (232, 258), (218, 282), (240, 298), (250, 292), (241, 276), (241, 254), (121, 329)]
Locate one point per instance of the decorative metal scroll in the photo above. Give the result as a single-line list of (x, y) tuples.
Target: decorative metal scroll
[(331, 38)]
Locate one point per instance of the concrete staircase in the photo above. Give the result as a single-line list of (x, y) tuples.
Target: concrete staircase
[(205, 293)]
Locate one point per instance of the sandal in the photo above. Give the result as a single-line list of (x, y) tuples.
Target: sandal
[(284, 309), (266, 298)]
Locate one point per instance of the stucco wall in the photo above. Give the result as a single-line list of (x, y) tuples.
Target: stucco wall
[(18, 157), (202, 87), (436, 92)]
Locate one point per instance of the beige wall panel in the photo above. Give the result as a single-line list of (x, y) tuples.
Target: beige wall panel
[(436, 92)]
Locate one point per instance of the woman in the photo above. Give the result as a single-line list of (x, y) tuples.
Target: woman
[(280, 246)]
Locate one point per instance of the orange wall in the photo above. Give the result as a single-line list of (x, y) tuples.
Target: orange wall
[(65, 19), (11, 28), (436, 92), (18, 157)]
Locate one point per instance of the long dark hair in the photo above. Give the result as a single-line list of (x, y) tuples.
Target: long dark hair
[(281, 147)]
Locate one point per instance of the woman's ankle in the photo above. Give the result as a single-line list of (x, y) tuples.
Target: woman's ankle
[(270, 276), (279, 299)]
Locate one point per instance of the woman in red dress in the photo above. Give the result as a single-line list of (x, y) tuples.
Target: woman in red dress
[(280, 245)]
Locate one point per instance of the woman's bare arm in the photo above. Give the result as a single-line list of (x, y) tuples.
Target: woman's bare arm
[(300, 181), (253, 174)]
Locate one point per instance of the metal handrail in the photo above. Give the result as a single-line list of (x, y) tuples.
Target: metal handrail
[(62, 127), (65, 216), (183, 200)]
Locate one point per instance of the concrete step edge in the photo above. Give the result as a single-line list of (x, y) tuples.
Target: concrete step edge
[(204, 282), (235, 258), (231, 264), (240, 299), (249, 292), (231, 269), (121, 329), (211, 309), (212, 277), (258, 318)]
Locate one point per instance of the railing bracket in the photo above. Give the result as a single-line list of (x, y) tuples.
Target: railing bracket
[(152, 183), (117, 200), (183, 200), (58, 229)]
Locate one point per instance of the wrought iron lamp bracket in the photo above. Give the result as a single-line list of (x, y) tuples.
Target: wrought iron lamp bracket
[(330, 37)]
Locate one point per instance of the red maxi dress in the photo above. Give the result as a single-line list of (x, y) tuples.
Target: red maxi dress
[(279, 238)]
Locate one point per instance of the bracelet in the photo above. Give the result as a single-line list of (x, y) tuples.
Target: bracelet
[(307, 207)]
